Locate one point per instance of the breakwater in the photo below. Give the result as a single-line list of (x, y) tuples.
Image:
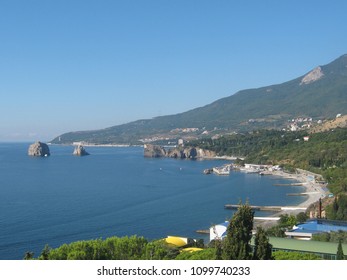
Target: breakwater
[(265, 208)]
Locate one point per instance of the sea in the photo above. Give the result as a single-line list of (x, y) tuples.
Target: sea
[(116, 191)]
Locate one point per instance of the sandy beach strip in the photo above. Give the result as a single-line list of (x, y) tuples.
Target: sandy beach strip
[(313, 192)]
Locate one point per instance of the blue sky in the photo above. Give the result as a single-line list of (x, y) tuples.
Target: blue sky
[(72, 65)]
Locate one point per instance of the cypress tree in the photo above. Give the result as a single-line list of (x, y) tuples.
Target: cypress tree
[(45, 253), (28, 255), (262, 248), (236, 245), (218, 251)]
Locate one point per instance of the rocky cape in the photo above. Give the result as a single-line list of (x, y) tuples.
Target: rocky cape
[(156, 151), (39, 149)]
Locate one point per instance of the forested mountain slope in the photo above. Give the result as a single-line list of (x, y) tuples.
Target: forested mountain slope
[(321, 93)]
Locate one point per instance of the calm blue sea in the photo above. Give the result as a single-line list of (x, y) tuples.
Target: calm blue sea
[(115, 192)]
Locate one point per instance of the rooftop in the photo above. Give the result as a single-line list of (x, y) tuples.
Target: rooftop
[(320, 225), (305, 246)]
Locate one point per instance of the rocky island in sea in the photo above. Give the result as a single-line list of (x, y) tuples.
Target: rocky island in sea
[(80, 151), (39, 149), (181, 152)]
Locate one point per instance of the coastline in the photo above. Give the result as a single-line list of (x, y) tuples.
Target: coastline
[(313, 191), (93, 145), (222, 157)]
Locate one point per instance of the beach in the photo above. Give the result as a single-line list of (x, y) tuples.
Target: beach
[(312, 182), (313, 191)]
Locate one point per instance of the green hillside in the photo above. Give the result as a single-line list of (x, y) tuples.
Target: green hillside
[(321, 93)]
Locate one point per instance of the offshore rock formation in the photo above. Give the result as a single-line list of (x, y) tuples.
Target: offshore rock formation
[(179, 152), (39, 149), (80, 151)]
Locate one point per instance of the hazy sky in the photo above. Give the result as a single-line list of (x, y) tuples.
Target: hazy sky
[(68, 65)]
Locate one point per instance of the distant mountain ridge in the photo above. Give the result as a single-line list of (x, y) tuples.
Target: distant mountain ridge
[(321, 93)]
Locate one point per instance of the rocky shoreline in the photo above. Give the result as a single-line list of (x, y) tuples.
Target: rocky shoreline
[(156, 151)]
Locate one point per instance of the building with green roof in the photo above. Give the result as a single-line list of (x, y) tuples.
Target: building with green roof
[(325, 250)]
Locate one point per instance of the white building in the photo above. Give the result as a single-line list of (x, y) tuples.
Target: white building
[(218, 231), (258, 167)]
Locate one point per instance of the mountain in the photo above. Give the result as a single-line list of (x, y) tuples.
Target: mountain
[(319, 94)]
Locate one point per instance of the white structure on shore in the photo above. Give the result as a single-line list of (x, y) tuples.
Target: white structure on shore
[(256, 168), (218, 231), (224, 170)]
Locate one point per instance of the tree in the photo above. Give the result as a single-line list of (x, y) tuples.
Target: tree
[(157, 250), (282, 255), (287, 221), (236, 245), (276, 231), (28, 255), (339, 254), (262, 248), (218, 251), (301, 217), (206, 254), (45, 253)]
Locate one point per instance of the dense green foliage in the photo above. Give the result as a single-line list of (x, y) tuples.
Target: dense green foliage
[(331, 237), (338, 209), (207, 254), (286, 222), (113, 248), (282, 255), (255, 146)]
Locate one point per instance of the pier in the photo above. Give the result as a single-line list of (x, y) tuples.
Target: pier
[(203, 231), (296, 194), (289, 185), (301, 194), (265, 208)]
